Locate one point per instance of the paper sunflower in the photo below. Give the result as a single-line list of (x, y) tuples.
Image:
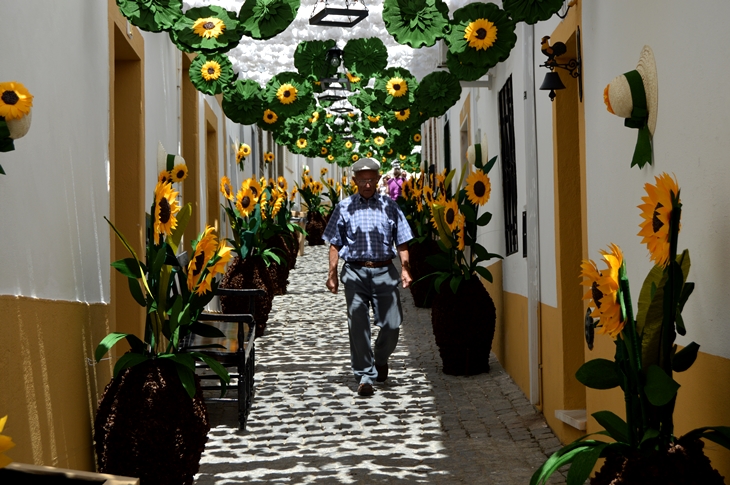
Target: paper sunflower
[(245, 201), (604, 291), (365, 57), (288, 94), (264, 19), (451, 211), (417, 23), (367, 102), (478, 187), (209, 74), (395, 88), (270, 121), (227, 188), (203, 252), (242, 102), (208, 30), (15, 101), (436, 93), (268, 157), (281, 183), (179, 173), (656, 212), (6, 442), (151, 15), (166, 208), (481, 35), (460, 235), (531, 11), (253, 185), (310, 59)]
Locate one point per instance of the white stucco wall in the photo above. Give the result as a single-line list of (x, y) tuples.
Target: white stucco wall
[(691, 141), (54, 242)]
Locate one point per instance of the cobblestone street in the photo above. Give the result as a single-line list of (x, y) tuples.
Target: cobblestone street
[(308, 425)]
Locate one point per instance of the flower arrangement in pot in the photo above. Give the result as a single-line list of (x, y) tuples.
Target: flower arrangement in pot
[(645, 449), (334, 191), (463, 315), (310, 191), (153, 411), (15, 115)]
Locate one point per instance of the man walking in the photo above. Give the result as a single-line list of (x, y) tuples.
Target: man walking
[(365, 230)]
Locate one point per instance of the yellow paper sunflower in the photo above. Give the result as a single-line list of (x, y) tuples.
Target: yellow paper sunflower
[(451, 210), (277, 206), (302, 143), (328, 140), (286, 94), (204, 251), (293, 194), (355, 157), (323, 150), (179, 172), (164, 177), (282, 184), (6, 442), (348, 144), (379, 140), (417, 137), (315, 117), (263, 203), (245, 201), (227, 188), (481, 34), (254, 186), (369, 154), (374, 119), (591, 275), (403, 114), (330, 181), (396, 86), (226, 253), (15, 101), (209, 27), (353, 78), (428, 195), (270, 117), (210, 71), (268, 157), (402, 157), (478, 187), (608, 285), (166, 208), (330, 158), (323, 171), (460, 235), (242, 152), (407, 189), (657, 213)]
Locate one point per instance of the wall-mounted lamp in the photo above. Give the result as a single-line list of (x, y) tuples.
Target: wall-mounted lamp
[(552, 81)]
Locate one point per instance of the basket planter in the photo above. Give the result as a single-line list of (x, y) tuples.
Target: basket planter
[(463, 324), (422, 291), (316, 224), (249, 273), (147, 426)]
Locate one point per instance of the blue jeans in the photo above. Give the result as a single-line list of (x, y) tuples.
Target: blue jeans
[(377, 287)]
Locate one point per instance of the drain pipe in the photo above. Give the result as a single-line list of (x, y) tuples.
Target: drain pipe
[(533, 226)]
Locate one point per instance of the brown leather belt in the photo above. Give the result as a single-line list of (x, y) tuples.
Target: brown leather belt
[(371, 264)]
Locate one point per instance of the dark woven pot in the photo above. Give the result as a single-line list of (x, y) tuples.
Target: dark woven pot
[(148, 427), (422, 291), (250, 273), (280, 272), (315, 228), (463, 324), (684, 463)]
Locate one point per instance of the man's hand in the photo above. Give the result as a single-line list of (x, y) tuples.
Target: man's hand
[(406, 277), (333, 282)]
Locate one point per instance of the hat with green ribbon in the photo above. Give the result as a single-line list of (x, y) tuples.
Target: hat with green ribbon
[(635, 96)]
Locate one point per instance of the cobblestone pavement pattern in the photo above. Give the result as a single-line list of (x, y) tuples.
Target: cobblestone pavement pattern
[(308, 425)]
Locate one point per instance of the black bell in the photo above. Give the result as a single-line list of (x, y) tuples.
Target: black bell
[(551, 83)]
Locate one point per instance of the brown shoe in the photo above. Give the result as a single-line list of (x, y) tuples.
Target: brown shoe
[(382, 372), (365, 389)]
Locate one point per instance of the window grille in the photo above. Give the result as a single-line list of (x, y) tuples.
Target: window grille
[(509, 169)]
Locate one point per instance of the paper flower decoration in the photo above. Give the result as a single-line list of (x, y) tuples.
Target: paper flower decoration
[(210, 30), (482, 35), (365, 57), (268, 157), (310, 59), (242, 102), (15, 115), (209, 74), (436, 93), (270, 120), (288, 94), (151, 15), (366, 101), (395, 88), (416, 23), (531, 11), (464, 72), (264, 19)]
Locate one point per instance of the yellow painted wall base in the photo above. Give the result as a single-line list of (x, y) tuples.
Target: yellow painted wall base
[(48, 388)]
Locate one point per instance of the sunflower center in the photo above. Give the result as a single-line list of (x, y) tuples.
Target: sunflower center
[(396, 87), (481, 33), (199, 264), (245, 201), (479, 189), (656, 224), (597, 294), (269, 116), (287, 93), (165, 212), (180, 174), (10, 97), (211, 71), (208, 25), (450, 216)]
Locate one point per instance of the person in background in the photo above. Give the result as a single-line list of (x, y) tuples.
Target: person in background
[(395, 184), (366, 230)]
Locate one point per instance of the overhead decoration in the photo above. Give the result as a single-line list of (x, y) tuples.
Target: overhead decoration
[(151, 15), (264, 19), (531, 11), (482, 35), (365, 57), (15, 115), (288, 94), (209, 30), (416, 23), (209, 74), (242, 103), (635, 96), (395, 88), (310, 59), (436, 93)]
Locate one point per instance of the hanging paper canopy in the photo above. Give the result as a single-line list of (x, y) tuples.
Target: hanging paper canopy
[(209, 74), (365, 57), (270, 120), (209, 30), (416, 23), (395, 88), (288, 94), (310, 59), (264, 19), (436, 93), (531, 11), (482, 35), (366, 101), (151, 15), (242, 102)]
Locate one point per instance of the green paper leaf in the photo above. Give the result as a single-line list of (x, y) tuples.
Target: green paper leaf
[(583, 464), (206, 330), (613, 424), (416, 23), (484, 219), (242, 102), (717, 434), (151, 15), (484, 272), (531, 11), (216, 367), (136, 291), (111, 340), (683, 360), (187, 378), (129, 359), (489, 165), (365, 57), (659, 388), (310, 59), (598, 374), (264, 19), (128, 267)]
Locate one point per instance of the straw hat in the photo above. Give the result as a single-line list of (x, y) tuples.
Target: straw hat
[(617, 95), (166, 161), (471, 154)]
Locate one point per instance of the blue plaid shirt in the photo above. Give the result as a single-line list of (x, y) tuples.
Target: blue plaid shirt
[(367, 229)]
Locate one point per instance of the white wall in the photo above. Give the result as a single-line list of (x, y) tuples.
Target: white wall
[(54, 242), (691, 141)]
